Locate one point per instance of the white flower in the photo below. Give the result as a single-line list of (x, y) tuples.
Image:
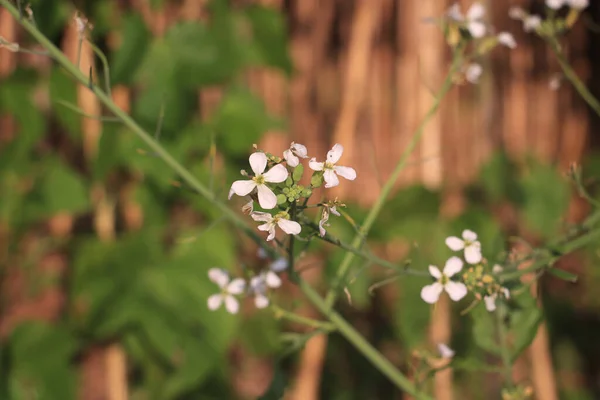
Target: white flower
[(260, 284), (248, 207), (578, 4), (474, 22), (555, 4), (325, 217), (507, 39), (266, 197), (228, 289), (490, 301), (330, 169), (291, 155), (456, 290), (531, 23), (469, 243), (517, 13), (279, 265), (473, 72), (555, 82), (289, 227), (445, 351)]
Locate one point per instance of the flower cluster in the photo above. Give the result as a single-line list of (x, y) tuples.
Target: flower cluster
[(275, 184), (553, 24), (475, 279), (472, 27), (257, 286)]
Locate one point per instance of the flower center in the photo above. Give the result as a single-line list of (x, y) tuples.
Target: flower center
[(328, 165), (259, 179), (444, 279)]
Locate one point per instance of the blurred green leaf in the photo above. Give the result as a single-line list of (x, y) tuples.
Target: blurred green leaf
[(41, 357), (546, 198), (64, 190), (499, 178), (562, 274), (261, 333), (484, 329), (269, 32), (130, 53), (240, 121), (525, 318), (62, 87)]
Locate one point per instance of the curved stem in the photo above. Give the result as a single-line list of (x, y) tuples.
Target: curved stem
[(290, 316), (389, 184)]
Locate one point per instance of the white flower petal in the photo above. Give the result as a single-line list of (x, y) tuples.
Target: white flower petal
[(505, 292), (497, 269), (455, 290), (345, 172), (490, 303), (290, 158), (242, 188), (473, 72), (453, 266), (473, 253), (277, 174), (272, 280), (476, 11), (214, 301), (261, 216), (516, 13), (279, 265), (531, 23), (231, 193), (289, 227), (454, 12), (431, 293), (258, 162), (435, 272), (507, 39), (445, 351), (257, 283), (469, 235), (266, 227), (299, 150), (261, 301), (271, 233), (331, 179), (232, 305), (236, 286), (218, 276), (322, 230), (555, 4), (334, 211), (314, 165), (455, 243), (266, 197), (335, 153), (578, 4)]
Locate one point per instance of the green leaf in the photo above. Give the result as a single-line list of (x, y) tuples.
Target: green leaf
[(298, 172), (525, 319), (546, 198), (62, 87), (269, 33), (41, 357), (281, 199), (64, 190), (240, 121), (498, 178), (484, 329), (562, 274), (130, 53)]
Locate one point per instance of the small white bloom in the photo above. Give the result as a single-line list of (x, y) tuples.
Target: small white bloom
[(531, 23), (490, 301), (325, 217), (262, 253), (279, 265), (266, 197), (507, 39), (473, 72), (473, 20), (555, 82), (517, 13), (289, 227), (456, 290), (578, 4), (445, 351), (331, 171), (454, 13), (497, 269), (469, 243), (259, 285), (555, 4), (291, 155), (248, 207), (228, 289)]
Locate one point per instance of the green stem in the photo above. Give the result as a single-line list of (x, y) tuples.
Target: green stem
[(389, 184), (572, 76), (345, 328), (360, 343), (504, 345), (313, 323)]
